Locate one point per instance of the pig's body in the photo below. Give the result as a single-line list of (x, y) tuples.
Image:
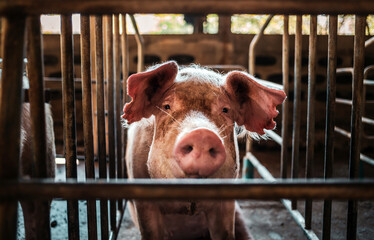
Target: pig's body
[(183, 127), (32, 209)]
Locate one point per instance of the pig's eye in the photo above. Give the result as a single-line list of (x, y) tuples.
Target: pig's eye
[(225, 110), (167, 106)]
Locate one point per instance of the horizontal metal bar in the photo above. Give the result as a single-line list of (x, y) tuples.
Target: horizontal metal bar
[(344, 70), (189, 6), (342, 132), (368, 82), (369, 42), (368, 120), (338, 189), (273, 135), (343, 101)]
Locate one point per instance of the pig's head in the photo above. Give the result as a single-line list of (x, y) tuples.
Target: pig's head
[(195, 111)]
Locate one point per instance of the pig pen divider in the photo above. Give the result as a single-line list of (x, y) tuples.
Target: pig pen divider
[(13, 188)]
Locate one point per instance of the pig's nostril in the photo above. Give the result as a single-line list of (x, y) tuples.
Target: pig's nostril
[(187, 149), (213, 152)]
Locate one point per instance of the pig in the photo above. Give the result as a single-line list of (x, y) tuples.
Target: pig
[(182, 124), (32, 209)]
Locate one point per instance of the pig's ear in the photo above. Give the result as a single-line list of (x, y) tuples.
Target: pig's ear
[(146, 89), (255, 104)]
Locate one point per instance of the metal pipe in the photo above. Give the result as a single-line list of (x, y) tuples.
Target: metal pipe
[(337, 189), (125, 74), (13, 33), (273, 135), (369, 42), (101, 120), (357, 101), (285, 106), (118, 101), (87, 120), (253, 44), (68, 96), (311, 113), (330, 120), (140, 43), (297, 96), (189, 6), (111, 103)]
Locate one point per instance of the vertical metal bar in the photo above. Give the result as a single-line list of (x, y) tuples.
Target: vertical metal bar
[(111, 103), (38, 120), (140, 42), (285, 73), (357, 100), (311, 113), (117, 82), (125, 74), (330, 120), (101, 120), (297, 95), (87, 120), (68, 94), (13, 33), (253, 44)]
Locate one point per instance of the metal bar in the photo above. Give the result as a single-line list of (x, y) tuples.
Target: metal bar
[(311, 113), (111, 113), (188, 188), (296, 215), (330, 120), (87, 120), (118, 101), (13, 32), (140, 43), (285, 106), (344, 70), (38, 120), (101, 120), (342, 132), (273, 135), (189, 6), (297, 96), (357, 100), (253, 44), (125, 74), (367, 159), (69, 118), (369, 42)]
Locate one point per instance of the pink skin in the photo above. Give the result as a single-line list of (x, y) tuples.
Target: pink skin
[(199, 152), (182, 126)]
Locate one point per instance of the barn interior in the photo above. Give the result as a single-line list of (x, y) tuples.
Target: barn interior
[(320, 154)]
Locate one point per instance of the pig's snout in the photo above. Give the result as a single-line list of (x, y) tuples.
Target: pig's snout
[(199, 153)]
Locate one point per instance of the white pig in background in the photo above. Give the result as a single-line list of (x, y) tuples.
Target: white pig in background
[(182, 125)]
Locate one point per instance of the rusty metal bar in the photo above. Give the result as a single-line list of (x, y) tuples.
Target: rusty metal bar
[(101, 120), (357, 100), (311, 113), (285, 106), (297, 96), (111, 103), (118, 101), (68, 95), (338, 189), (253, 44), (125, 74), (140, 43), (330, 120), (87, 120), (13, 32), (38, 120), (190, 6)]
